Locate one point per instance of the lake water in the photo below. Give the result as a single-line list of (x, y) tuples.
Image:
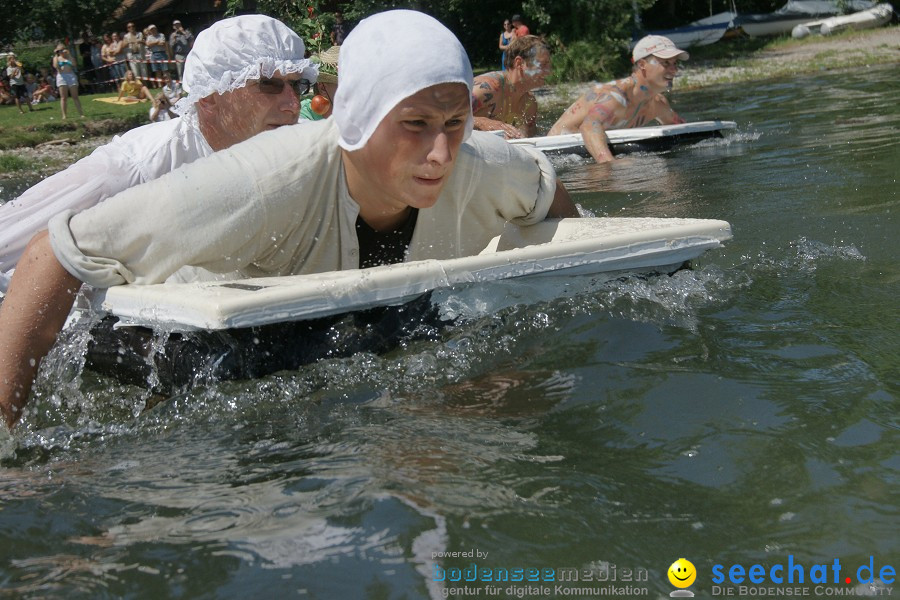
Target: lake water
[(743, 412)]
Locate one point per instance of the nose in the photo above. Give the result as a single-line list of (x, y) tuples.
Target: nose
[(290, 101), (440, 149)]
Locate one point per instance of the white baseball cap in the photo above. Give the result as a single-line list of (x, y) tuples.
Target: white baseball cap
[(657, 45)]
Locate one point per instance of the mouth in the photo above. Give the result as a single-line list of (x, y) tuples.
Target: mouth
[(685, 578), (428, 181)]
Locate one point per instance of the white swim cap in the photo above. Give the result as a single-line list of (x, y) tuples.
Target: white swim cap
[(386, 58)]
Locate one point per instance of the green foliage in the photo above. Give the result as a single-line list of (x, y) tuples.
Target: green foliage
[(67, 19), (587, 61), (34, 57)]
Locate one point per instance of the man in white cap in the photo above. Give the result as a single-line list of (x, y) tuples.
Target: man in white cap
[(630, 102), (235, 79), (396, 174)]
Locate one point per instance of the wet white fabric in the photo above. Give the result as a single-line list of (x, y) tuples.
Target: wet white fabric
[(373, 80), (234, 51), (138, 156), (278, 204)]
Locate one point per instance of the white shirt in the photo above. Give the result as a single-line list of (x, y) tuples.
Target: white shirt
[(138, 156), (278, 204)]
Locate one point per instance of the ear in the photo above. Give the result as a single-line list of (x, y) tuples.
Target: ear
[(518, 63)]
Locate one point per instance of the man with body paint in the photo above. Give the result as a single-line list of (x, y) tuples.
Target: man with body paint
[(502, 100), (631, 102)]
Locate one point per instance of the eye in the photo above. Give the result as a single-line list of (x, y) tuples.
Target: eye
[(454, 123), (414, 123)]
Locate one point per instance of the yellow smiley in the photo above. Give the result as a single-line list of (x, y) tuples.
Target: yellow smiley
[(682, 573)]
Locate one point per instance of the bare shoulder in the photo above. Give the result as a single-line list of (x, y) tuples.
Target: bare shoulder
[(488, 82)]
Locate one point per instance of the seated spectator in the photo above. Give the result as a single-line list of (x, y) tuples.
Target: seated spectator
[(43, 93), (31, 86), (172, 89), (5, 96), (133, 90), (396, 174), (161, 109)]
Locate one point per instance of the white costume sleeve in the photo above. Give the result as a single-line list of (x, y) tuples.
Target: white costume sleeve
[(257, 207), (93, 178), (137, 156), (493, 182)]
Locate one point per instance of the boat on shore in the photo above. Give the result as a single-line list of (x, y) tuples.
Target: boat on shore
[(877, 16), (698, 33), (794, 13)]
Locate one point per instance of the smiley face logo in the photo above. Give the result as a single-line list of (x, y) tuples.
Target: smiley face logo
[(682, 573)]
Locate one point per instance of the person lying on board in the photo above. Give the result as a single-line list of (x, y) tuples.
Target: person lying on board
[(396, 174), (231, 98), (631, 102), (502, 100)]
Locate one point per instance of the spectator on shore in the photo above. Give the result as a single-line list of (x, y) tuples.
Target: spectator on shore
[(244, 51), (320, 106), (133, 89), (520, 27), (43, 92), (135, 51), (31, 86), (172, 89), (503, 100), (66, 79), (181, 41), (121, 55), (396, 174), (507, 35), (161, 109), (100, 72), (159, 52), (108, 52), (630, 102), (17, 83), (339, 30), (6, 96)]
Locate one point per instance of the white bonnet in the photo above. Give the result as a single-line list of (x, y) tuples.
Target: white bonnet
[(386, 58), (234, 51)]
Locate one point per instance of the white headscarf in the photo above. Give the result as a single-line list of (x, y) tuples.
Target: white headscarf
[(234, 51), (389, 57)]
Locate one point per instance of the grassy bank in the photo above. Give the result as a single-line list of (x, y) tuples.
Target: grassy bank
[(42, 142)]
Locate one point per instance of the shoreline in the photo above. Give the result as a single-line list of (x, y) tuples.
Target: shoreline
[(783, 58)]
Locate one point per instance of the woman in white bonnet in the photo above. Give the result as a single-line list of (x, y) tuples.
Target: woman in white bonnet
[(397, 174)]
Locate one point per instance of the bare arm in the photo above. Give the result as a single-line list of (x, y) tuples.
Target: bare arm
[(40, 297), (593, 130), (562, 205)]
